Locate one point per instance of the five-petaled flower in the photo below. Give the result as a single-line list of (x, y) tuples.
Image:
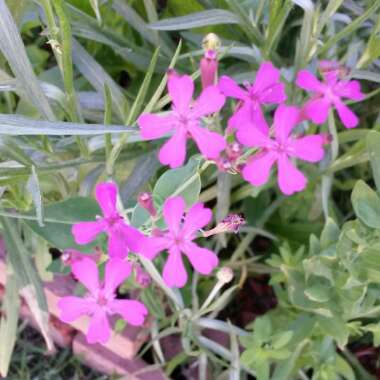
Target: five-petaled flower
[(121, 236), (184, 121), (280, 149), (267, 89), (100, 301), (328, 94), (182, 230)]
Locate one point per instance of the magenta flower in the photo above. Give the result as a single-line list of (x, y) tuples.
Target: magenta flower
[(182, 230), (101, 302), (184, 121), (328, 94), (121, 236), (267, 89), (280, 149)]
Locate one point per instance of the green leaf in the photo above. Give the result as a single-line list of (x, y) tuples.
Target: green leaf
[(9, 321), (33, 187), (318, 293), (330, 234), (196, 20), (98, 77), (30, 285), (373, 147), (59, 218), (15, 125), (366, 204), (184, 181), (13, 49), (336, 328)]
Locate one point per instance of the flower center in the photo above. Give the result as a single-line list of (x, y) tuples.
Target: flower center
[(102, 300)]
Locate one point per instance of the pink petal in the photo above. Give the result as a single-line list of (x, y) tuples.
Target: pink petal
[(106, 194), (203, 260), (153, 126), (348, 118), (274, 94), (86, 271), (267, 75), (285, 119), (122, 238), (173, 152), (174, 271), (209, 143), (71, 308), (349, 89), (309, 148), (173, 210), (134, 312), (230, 88), (133, 237), (86, 232), (181, 90), (154, 245), (251, 136), (99, 330), (307, 81), (116, 272), (317, 110), (197, 217), (290, 179), (211, 100), (249, 113), (258, 168)]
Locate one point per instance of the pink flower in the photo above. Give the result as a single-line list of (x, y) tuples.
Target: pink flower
[(267, 89), (121, 236), (328, 94), (182, 230), (209, 68), (280, 149), (184, 121), (101, 302)]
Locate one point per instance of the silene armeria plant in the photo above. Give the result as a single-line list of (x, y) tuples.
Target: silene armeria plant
[(232, 218)]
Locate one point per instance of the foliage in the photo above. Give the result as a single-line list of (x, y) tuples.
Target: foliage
[(74, 77)]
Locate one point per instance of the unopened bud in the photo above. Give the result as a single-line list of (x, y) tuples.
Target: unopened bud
[(70, 256), (225, 275), (223, 164), (142, 277), (333, 68), (211, 42), (327, 138), (231, 223), (145, 200), (209, 68), (234, 151)]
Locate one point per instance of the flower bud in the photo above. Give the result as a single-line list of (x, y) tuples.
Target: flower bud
[(145, 200), (142, 277), (230, 223), (209, 68), (225, 275), (211, 42), (234, 151)]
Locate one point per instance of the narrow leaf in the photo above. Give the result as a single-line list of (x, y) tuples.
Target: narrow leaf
[(13, 49)]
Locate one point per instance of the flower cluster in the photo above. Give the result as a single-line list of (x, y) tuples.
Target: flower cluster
[(100, 301), (199, 120), (248, 145)]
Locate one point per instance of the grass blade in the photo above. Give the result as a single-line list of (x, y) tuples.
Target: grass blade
[(98, 77), (196, 20), (13, 49), (30, 285), (9, 320), (18, 125)]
